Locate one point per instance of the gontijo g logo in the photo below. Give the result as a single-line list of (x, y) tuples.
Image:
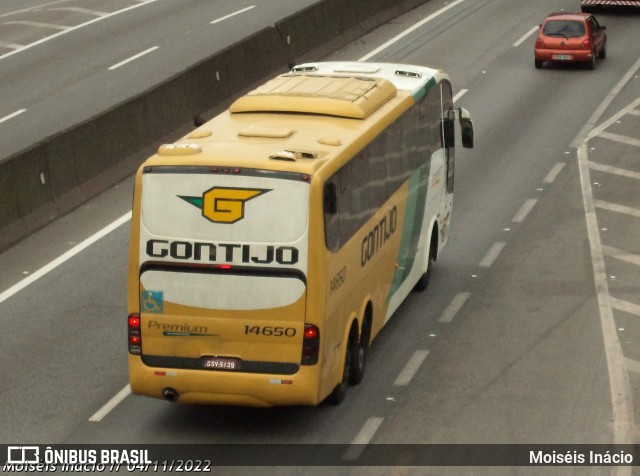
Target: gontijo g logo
[(224, 204)]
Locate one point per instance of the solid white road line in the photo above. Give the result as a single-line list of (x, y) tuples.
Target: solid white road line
[(619, 388), (614, 170), (12, 115), (626, 306), (630, 109), (526, 36), (491, 255), (363, 438), (620, 138), (64, 258), (588, 130), (133, 58), (614, 207), (233, 14), (621, 255), (553, 173), (454, 307), (111, 404), (633, 365), (10, 46), (85, 11), (524, 210), (411, 368), (38, 24), (76, 27), (409, 30)]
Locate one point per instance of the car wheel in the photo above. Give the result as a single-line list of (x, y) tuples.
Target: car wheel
[(603, 51), (591, 64), (538, 64)]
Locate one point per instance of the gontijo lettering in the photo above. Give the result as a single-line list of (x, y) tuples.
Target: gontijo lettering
[(378, 236), (222, 252)]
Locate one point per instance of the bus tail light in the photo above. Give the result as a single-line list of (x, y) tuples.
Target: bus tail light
[(310, 345), (134, 335)]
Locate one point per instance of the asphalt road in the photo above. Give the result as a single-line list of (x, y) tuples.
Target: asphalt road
[(64, 61), (527, 334)]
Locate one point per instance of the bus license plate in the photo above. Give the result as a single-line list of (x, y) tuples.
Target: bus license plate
[(220, 363), (563, 57)]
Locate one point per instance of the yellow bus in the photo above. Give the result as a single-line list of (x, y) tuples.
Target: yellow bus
[(270, 245)]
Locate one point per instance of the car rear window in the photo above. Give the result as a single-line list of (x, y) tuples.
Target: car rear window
[(564, 28)]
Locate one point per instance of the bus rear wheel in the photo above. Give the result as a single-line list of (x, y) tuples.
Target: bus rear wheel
[(359, 355), (338, 393)]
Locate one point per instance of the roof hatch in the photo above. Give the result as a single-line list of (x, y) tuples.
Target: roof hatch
[(353, 97)]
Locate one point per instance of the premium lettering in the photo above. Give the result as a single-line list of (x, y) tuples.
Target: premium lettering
[(177, 327)]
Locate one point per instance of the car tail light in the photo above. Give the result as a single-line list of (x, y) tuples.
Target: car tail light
[(539, 43), (134, 335), (586, 45), (310, 345)]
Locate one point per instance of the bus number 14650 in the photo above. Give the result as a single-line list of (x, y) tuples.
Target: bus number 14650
[(270, 331)]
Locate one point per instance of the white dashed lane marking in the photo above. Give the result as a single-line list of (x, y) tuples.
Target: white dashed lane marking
[(133, 58), (232, 14), (455, 306), (411, 368), (553, 173), (492, 255), (363, 438), (524, 210), (524, 37), (111, 404), (12, 115)]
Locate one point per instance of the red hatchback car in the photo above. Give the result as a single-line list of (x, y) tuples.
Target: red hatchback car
[(569, 38)]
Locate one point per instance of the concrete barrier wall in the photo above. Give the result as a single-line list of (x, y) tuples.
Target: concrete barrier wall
[(326, 26), (53, 177)]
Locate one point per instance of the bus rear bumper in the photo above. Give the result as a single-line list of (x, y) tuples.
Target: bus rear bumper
[(207, 387)]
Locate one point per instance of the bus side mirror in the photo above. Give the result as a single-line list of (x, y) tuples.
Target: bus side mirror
[(330, 199), (466, 127)]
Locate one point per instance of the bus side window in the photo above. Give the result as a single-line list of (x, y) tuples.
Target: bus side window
[(332, 229), (330, 199)]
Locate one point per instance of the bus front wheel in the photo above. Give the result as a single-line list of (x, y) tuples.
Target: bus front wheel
[(423, 282)]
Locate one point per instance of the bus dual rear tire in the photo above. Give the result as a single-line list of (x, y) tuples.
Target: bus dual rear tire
[(359, 355), (355, 362), (340, 391)]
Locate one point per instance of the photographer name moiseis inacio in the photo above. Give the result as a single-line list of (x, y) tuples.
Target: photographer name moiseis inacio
[(575, 457)]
